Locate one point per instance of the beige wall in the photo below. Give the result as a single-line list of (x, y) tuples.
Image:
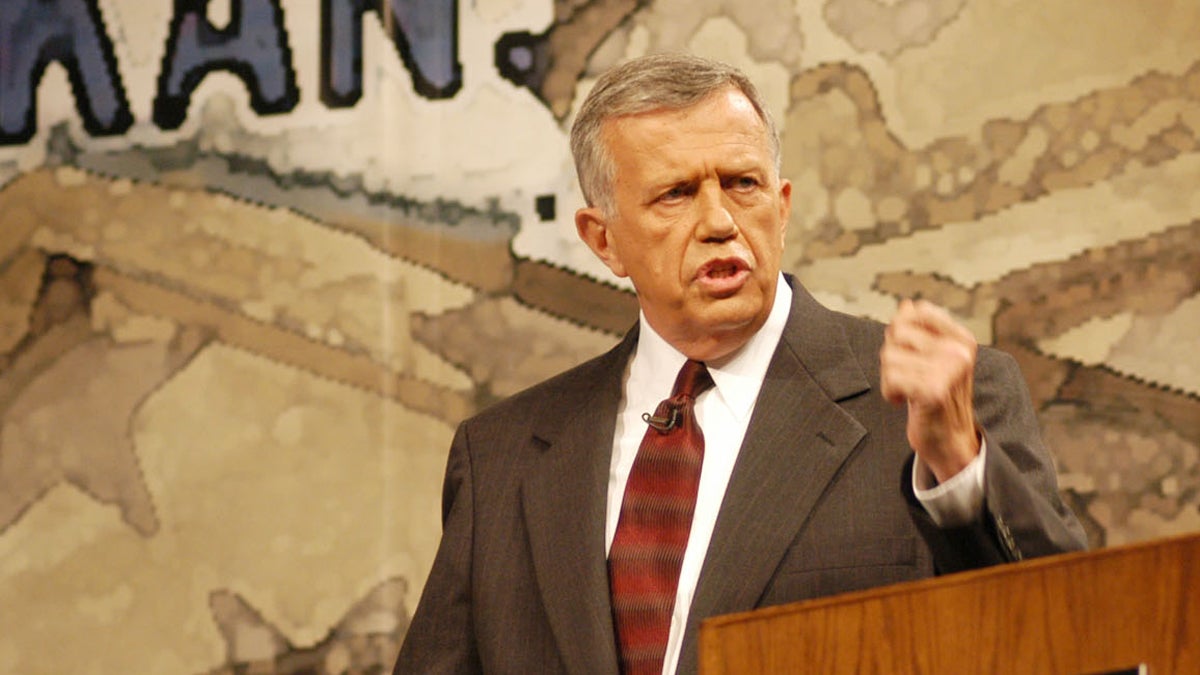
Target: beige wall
[(232, 355)]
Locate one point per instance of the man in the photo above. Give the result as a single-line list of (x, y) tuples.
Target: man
[(828, 454)]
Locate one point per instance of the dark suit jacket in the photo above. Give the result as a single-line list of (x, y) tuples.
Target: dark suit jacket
[(819, 503)]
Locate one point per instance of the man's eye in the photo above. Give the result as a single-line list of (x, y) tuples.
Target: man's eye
[(673, 194), (744, 182)]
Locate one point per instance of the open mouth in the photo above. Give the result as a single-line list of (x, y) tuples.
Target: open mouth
[(721, 269), (724, 276)]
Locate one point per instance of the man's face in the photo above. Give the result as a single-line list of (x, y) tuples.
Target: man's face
[(698, 221)]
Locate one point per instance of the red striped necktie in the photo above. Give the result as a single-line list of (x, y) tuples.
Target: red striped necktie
[(655, 521)]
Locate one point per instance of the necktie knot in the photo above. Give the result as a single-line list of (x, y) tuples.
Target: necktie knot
[(693, 380)]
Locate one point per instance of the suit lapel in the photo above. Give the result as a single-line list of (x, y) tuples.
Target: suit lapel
[(797, 440), (564, 497)]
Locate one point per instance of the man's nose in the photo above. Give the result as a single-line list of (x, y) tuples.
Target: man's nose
[(716, 222)]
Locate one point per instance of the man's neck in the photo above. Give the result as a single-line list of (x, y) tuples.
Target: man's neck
[(717, 351), (720, 345)]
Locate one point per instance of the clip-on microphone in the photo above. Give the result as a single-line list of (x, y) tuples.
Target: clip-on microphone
[(662, 424)]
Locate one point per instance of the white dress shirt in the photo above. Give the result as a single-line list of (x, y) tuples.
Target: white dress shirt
[(723, 413)]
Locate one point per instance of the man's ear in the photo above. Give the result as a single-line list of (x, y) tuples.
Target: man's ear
[(594, 230), (785, 207)]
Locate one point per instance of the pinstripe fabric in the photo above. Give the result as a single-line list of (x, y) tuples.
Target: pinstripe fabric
[(653, 528)]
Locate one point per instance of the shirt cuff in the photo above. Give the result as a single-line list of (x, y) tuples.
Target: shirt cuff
[(956, 502)]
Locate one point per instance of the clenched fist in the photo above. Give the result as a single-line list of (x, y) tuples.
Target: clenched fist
[(928, 363)]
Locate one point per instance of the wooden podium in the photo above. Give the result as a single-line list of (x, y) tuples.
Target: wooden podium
[(1102, 611)]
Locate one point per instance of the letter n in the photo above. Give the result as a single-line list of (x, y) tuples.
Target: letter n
[(253, 46), (424, 32), (35, 32)]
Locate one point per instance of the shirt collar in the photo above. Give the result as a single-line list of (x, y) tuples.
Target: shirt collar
[(737, 378)]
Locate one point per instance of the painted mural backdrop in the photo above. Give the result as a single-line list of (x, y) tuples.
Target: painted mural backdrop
[(258, 258)]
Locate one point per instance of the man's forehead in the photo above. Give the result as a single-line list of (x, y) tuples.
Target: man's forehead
[(662, 120), (736, 98)]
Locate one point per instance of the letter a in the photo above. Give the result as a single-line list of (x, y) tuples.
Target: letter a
[(253, 46)]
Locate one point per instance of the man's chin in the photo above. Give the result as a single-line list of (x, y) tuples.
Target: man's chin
[(731, 315)]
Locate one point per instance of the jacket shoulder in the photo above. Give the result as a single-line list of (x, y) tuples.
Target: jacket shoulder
[(565, 390)]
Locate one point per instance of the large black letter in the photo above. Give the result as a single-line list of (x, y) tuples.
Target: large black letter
[(35, 32), (425, 32), (253, 46)]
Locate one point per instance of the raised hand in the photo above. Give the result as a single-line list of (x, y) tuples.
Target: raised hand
[(927, 363)]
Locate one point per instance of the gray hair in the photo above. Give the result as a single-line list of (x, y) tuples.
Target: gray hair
[(655, 82)]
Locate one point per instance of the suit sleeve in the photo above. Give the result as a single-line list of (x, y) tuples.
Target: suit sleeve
[(441, 638), (1023, 515)]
